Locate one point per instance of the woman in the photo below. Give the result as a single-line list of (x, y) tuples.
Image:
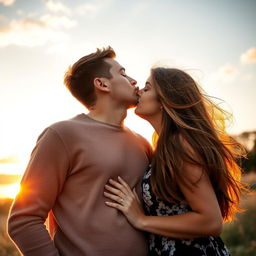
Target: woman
[(193, 183)]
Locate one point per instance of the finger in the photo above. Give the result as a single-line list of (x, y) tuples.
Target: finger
[(115, 191), (114, 198), (118, 186), (124, 184), (115, 205)]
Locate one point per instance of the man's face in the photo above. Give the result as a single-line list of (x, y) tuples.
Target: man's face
[(123, 88)]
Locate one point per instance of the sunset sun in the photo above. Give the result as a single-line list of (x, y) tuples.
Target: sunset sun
[(10, 191)]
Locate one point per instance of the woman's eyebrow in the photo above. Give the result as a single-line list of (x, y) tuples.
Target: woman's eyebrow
[(122, 69)]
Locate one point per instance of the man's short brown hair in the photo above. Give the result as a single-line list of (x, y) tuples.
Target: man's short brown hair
[(80, 76)]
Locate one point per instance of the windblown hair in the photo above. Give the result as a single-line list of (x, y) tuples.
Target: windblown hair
[(79, 78), (189, 115)]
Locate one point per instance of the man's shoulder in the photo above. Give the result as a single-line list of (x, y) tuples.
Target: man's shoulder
[(68, 124), (64, 127), (142, 139), (67, 131), (137, 135)]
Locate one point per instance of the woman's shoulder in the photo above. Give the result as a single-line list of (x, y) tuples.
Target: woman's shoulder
[(192, 170)]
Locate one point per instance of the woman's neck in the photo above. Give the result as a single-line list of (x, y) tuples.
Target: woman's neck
[(156, 122)]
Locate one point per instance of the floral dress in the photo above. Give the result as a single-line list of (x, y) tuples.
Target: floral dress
[(167, 246)]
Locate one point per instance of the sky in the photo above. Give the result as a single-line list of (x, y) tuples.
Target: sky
[(215, 41)]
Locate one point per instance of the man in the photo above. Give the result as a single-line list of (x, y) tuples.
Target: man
[(71, 163)]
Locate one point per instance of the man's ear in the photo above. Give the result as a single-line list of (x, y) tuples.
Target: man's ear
[(101, 84)]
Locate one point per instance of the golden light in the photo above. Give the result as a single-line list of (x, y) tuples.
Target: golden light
[(12, 168), (9, 191)]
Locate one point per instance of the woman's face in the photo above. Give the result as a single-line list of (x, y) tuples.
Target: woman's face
[(148, 104)]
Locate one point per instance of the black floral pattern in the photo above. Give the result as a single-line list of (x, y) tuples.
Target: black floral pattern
[(167, 246)]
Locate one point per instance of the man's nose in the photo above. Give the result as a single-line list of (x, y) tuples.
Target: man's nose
[(139, 92), (133, 82)]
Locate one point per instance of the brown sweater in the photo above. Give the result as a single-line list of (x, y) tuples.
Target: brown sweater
[(65, 178)]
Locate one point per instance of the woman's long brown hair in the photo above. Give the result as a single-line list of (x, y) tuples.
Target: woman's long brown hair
[(189, 114)]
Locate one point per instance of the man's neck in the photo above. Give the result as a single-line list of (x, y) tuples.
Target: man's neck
[(109, 115)]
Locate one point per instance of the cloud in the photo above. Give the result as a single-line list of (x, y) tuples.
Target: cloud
[(140, 7), (9, 159), (20, 12), (249, 56), (90, 10), (35, 32), (57, 21), (227, 70), (248, 77), (57, 7), (7, 2), (226, 73), (57, 48), (2, 19)]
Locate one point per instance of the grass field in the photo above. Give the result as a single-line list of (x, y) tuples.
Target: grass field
[(239, 236), (7, 248)]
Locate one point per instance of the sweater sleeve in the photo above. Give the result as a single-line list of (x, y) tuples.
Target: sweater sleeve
[(41, 184)]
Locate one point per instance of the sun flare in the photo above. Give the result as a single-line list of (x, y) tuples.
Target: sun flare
[(10, 191)]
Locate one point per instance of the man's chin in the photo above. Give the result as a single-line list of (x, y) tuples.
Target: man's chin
[(132, 106), (136, 111)]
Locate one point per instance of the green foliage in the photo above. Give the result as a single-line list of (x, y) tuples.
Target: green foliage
[(239, 236), (249, 164), (7, 248)]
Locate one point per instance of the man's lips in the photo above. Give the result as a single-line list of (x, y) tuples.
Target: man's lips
[(138, 99)]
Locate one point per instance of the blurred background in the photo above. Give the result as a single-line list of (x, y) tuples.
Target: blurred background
[(215, 41)]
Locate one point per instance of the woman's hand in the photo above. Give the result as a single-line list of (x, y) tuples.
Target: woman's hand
[(125, 200)]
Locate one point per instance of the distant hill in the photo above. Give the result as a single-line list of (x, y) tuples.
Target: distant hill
[(247, 139)]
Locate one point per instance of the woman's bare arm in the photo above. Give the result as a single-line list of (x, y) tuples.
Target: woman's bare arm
[(205, 219)]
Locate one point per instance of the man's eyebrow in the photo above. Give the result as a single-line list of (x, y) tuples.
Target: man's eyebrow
[(148, 83)]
